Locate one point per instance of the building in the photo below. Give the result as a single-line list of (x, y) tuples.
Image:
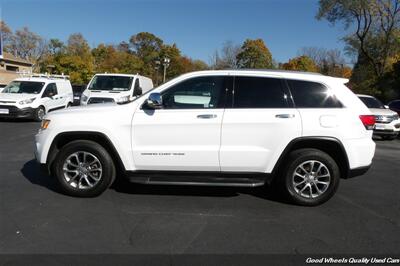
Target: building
[(10, 66)]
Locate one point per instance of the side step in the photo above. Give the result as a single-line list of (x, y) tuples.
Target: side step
[(198, 179)]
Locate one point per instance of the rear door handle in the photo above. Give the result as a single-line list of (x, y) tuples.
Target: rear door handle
[(207, 116), (284, 116)]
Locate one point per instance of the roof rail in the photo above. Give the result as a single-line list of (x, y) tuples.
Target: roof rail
[(42, 75)]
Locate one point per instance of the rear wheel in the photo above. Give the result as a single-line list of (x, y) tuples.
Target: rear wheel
[(84, 169), (39, 114), (311, 177)]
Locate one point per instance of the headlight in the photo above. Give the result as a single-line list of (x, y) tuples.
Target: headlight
[(84, 98), (27, 101), (45, 124), (123, 99)]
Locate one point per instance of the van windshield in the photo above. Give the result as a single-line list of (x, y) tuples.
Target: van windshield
[(371, 102), (29, 87), (111, 83)]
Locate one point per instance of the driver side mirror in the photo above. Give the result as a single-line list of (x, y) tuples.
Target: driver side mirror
[(137, 91), (386, 106), (154, 101)]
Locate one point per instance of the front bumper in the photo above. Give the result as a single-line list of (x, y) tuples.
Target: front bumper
[(15, 112), (387, 129)]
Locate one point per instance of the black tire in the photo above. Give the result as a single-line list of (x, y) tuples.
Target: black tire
[(297, 158), (106, 163), (68, 105), (39, 114)]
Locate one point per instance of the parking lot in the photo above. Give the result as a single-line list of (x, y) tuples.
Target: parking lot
[(363, 217)]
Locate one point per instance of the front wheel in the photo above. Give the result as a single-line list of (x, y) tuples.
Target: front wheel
[(311, 177), (39, 114), (84, 169)]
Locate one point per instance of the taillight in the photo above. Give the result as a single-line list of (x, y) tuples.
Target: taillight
[(368, 121)]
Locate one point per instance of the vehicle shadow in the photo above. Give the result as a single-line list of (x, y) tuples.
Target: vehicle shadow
[(31, 171), (264, 192), (17, 120)]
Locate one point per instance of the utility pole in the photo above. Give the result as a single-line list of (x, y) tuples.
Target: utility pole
[(157, 67), (165, 63)]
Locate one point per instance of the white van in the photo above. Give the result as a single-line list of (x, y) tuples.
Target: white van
[(35, 95), (115, 88)]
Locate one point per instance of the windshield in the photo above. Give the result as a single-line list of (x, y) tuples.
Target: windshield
[(372, 102), (29, 87), (111, 83)]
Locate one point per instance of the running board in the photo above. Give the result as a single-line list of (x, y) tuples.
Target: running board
[(198, 179)]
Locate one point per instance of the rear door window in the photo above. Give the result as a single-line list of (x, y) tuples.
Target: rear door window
[(259, 92)]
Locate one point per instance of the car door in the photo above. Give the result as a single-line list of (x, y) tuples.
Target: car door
[(49, 97), (185, 134), (257, 125)]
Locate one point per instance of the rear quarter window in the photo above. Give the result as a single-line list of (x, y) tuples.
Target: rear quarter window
[(307, 94)]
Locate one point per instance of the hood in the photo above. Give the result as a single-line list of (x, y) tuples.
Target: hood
[(379, 111), (16, 96), (93, 117), (95, 111)]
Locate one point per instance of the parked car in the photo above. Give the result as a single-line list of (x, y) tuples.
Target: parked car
[(35, 95), (395, 106), (115, 88), (224, 128), (77, 90), (387, 124)]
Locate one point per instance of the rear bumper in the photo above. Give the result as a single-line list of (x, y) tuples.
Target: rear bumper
[(358, 171), (15, 112)]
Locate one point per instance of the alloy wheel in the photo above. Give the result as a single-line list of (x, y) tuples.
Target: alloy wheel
[(82, 170), (311, 179)]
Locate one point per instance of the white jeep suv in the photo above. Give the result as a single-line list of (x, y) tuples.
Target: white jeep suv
[(301, 131)]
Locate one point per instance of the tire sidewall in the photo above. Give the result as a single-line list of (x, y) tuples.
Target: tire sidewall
[(108, 173), (36, 115), (300, 157)]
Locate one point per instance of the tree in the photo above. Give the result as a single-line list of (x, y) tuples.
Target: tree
[(6, 35), (376, 24), (56, 46), (228, 58), (301, 63), (77, 45), (107, 58), (75, 59), (27, 45), (329, 61), (147, 47), (254, 54)]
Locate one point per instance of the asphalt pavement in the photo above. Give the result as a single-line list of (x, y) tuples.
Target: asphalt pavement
[(35, 218)]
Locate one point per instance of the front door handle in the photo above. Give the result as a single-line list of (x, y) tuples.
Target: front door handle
[(284, 116), (207, 116)]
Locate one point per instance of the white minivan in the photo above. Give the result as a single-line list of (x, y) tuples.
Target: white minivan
[(35, 95), (115, 88)]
